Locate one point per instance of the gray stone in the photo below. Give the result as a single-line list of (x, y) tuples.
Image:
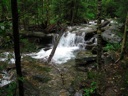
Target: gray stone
[(110, 36), (84, 57)]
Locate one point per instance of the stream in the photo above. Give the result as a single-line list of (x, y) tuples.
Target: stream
[(70, 43)]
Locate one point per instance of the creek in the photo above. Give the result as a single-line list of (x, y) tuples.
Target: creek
[(70, 43), (74, 40)]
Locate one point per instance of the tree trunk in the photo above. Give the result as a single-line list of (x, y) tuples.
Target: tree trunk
[(99, 38), (55, 45), (16, 46), (124, 38), (123, 47)]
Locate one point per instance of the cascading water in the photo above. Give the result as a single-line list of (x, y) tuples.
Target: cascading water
[(68, 43), (71, 40)]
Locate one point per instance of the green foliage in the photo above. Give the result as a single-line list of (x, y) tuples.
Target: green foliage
[(27, 46), (21, 79), (122, 9), (5, 27), (109, 8), (110, 47), (90, 15), (92, 75), (9, 90), (40, 11), (91, 89), (5, 41), (71, 10), (91, 9)]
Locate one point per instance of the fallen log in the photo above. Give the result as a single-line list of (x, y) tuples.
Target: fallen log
[(32, 34)]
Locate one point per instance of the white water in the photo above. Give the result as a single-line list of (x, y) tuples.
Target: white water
[(5, 80), (8, 56), (69, 42)]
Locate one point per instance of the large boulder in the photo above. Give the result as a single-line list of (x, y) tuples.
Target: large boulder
[(110, 36), (111, 31)]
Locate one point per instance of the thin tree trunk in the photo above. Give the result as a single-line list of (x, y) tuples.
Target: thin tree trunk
[(123, 47), (16, 46), (55, 46), (99, 38), (124, 37)]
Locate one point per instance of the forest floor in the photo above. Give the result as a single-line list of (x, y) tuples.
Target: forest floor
[(67, 80)]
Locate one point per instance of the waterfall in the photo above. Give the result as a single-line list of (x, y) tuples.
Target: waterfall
[(69, 42)]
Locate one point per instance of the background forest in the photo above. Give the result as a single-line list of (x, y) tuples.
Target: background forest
[(104, 72), (44, 15)]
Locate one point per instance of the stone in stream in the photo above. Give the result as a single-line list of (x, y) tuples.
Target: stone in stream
[(84, 58)]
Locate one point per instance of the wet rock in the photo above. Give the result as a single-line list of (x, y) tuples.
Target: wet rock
[(94, 50), (110, 36), (90, 46), (73, 29), (84, 57)]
